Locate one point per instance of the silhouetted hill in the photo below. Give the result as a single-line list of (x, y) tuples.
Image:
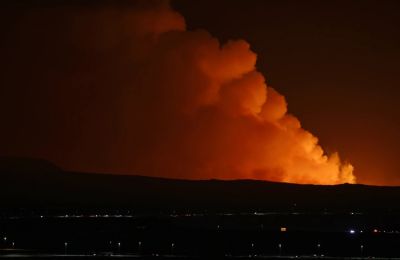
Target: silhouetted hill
[(37, 183)]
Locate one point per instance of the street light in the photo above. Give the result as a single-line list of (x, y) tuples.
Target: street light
[(65, 248), (139, 246), (119, 247), (361, 250), (280, 249), (13, 244), (172, 248), (318, 248)]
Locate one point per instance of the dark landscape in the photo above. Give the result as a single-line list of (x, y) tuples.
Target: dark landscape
[(38, 183), (103, 215)]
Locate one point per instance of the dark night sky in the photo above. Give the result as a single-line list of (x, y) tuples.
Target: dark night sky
[(335, 61)]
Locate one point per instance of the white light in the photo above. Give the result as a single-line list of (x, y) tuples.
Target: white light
[(352, 231)]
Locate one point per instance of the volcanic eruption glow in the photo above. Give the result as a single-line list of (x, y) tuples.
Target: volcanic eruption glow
[(138, 93)]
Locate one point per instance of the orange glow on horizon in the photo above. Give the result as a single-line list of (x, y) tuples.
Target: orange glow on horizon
[(143, 95)]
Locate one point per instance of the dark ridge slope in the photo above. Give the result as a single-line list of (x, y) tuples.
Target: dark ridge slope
[(37, 183)]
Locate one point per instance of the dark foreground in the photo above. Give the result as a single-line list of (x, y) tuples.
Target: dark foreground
[(273, 235), (47, 212), (54, 256)]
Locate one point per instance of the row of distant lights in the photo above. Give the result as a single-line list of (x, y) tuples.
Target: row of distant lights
[(91, 216), (177, 215), (282, 229), (353, 231), (111, 242)]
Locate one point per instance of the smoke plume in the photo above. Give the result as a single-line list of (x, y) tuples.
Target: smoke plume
[(130, 90)]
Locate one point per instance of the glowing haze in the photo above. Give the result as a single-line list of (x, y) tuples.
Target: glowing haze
[(130, 90)]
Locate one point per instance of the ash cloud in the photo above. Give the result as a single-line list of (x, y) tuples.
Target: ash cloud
[(130, 90)]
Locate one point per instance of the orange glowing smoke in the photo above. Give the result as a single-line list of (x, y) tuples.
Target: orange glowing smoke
[(155, 99)]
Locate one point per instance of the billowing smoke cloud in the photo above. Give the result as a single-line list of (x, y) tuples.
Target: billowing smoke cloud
[(130, 90)]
